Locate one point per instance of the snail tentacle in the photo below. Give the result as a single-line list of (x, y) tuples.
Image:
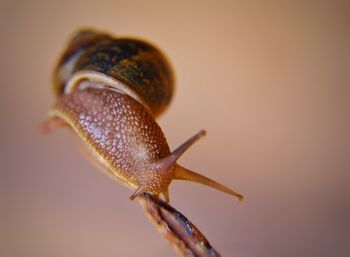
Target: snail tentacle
[(169, 161), (182, 173), (139, 191)]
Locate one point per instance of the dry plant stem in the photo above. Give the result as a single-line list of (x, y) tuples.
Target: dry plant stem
[(176, 228)]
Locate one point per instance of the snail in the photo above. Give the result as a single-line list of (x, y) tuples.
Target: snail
[(109, 91)]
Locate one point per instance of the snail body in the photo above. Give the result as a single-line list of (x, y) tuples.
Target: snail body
[(109, 91)]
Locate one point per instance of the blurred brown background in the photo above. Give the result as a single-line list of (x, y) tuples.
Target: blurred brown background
[(269, 80)]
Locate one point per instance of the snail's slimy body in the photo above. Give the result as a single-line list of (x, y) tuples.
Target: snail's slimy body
[(109, 91), (120, 132)]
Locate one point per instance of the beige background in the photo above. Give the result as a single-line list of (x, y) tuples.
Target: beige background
[(268, 80)]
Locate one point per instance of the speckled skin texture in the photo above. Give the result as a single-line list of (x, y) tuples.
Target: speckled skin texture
[(121, 133), (136, 63)]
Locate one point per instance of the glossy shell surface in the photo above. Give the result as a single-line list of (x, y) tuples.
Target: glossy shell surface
[(135, 63)]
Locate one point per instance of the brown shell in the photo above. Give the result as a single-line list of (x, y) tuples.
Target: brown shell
[(136, 63)]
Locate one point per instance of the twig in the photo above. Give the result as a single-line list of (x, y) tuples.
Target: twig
[(177, 229)]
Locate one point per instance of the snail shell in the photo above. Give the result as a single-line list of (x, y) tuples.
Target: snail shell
[(130, 65), (109, 91)]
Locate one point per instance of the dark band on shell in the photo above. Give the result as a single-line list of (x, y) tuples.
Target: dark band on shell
[(135, 63)]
